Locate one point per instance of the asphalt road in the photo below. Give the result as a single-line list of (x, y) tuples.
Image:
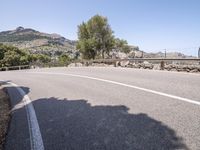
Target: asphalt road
[(103, 108)]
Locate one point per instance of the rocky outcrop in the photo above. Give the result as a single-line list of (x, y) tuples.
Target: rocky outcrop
[(124, 63)]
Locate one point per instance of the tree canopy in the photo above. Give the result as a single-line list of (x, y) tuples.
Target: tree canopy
[(122, 45), (95, 38)]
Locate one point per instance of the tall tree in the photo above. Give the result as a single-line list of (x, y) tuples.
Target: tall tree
[(122, 45), (95, 38)]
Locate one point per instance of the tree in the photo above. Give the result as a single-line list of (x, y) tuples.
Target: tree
[(95, 38), (122, 45)]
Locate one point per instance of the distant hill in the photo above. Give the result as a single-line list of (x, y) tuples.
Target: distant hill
[(37, 42), (168, 55)]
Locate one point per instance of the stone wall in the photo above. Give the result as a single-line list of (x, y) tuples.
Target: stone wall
[(195, 68), (169, 67)]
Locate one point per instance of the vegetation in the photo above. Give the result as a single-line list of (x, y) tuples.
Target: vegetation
[(64, 59), (95, 38), (122, 45), (13, 56)]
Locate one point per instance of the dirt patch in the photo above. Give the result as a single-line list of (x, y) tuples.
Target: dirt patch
[(4, 115)]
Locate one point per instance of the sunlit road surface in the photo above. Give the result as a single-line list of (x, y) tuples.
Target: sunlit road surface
[(103, 108)]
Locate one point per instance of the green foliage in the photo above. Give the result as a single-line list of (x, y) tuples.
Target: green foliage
[(122, 45), (64, 59), (95, 38), (12, 56), (41, 58)]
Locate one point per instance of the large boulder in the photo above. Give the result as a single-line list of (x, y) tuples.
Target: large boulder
[(75, 65), (118, 55), (138, 54), (147, 65), (156, 67), (124, 63), (194, 71), (131, 54)]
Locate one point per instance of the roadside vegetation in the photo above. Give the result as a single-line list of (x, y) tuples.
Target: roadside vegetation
[(13, 56), (96, 39)]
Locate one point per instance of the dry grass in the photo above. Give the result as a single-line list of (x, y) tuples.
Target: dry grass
[(4, 116)]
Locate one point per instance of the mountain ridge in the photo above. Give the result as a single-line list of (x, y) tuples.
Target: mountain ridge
[(37, 42)]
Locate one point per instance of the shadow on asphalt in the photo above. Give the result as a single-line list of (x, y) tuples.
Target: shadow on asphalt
[(76, 125)]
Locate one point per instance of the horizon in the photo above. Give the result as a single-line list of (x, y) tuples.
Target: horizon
[(170, 25)]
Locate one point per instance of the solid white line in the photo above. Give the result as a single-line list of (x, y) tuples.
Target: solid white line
[(34, 129), (126, 85)]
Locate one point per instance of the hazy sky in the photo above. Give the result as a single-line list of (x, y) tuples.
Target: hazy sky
[(153, 25)]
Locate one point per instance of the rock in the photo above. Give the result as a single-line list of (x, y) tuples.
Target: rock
[(78, 64), (118, 55), (173, 69), (146, 62), (148, 65), (75, 65), (100, 64), (134, 65), (131, 54), (180, 67), (194, 70), (138, 54), (156, 67), (124, 63)]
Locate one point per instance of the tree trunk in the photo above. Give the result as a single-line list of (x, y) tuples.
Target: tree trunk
[(103, 54)]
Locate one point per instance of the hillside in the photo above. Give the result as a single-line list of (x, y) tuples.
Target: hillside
[(37, 42)]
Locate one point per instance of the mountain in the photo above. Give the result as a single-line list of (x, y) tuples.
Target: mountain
[(38, 42), (168, 55)]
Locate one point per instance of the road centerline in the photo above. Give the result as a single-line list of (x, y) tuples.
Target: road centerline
[(125, 85)]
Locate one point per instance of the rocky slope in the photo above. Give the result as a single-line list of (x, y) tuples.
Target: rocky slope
[(38, 42)]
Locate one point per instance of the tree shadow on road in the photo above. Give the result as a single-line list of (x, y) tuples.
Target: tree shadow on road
[(76, 125)]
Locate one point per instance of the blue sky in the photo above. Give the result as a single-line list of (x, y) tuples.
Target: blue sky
[(153, 25)]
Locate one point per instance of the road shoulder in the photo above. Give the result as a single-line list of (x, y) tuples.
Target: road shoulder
[(4, 115)]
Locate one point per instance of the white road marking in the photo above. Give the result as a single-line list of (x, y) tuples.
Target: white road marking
[(123, 84), (34, 129)]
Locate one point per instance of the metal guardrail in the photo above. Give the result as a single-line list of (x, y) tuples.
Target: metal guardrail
[(148, 59), (15, 68)]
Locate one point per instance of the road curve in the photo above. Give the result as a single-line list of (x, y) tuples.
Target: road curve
[(104, 108)]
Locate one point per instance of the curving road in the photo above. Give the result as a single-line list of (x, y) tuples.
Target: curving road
[(103, 108)]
